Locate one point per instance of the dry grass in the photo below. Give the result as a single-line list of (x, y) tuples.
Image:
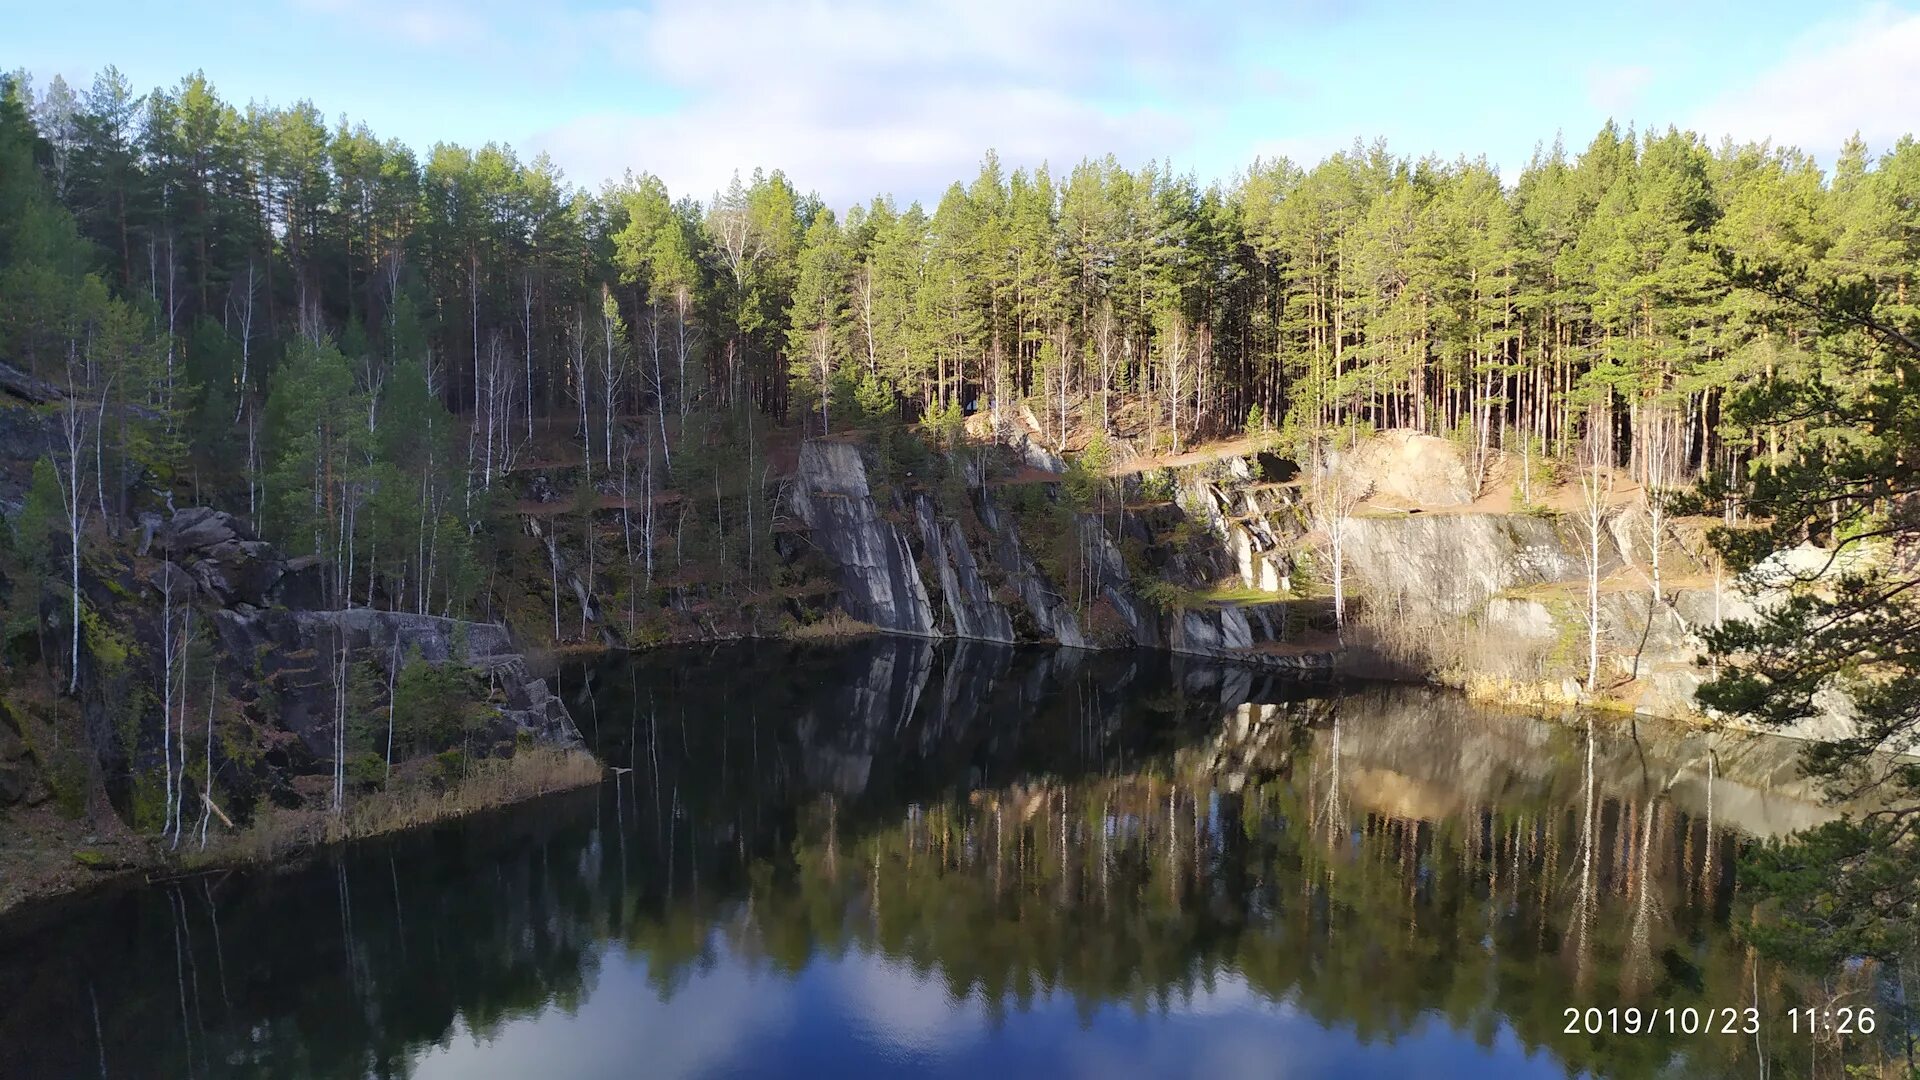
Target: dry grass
[(1233, 592), (836, 625), (490, 783)]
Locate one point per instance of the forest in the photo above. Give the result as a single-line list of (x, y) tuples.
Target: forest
[(355, 345), (356, 340)]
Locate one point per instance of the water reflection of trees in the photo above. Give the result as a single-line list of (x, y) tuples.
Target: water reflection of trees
[(1144, 889), (1124, 830)]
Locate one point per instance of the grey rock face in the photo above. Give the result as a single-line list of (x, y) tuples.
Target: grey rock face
[(880, 584), (1452, 564), (213, 557), (1050, 610), (1212, 631), (975, 613), (198, 527), (295, 645)]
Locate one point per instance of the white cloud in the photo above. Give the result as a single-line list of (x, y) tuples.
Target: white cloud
[(434, 23), (697, 1030), (1859, 74), (858, 99), (1616, 90), (905, 1011)]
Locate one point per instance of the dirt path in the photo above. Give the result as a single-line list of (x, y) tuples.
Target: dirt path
[(1242, 447)]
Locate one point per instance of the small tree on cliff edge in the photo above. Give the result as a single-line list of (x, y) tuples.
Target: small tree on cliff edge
[(1851, 887), (1337, 492)]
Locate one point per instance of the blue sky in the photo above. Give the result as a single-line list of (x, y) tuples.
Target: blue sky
[(854, 98)]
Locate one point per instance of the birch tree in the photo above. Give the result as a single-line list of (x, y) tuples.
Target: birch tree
[(1337, 492), (1596, 490)]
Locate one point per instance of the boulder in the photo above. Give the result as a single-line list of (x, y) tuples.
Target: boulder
[(301, 584), (1411, 467), (199, 527)]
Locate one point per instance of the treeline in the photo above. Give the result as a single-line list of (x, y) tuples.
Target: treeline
[(262, 251)]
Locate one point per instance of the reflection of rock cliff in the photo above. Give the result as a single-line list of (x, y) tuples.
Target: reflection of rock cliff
[(1494, 757), (892, 711)]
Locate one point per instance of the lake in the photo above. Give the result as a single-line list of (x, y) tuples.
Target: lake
[(896, 858)]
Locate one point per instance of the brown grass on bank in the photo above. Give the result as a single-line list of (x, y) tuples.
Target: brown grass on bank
[(835, 625), (490, 783)]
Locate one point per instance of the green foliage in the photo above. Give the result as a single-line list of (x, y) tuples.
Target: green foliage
[(435, 706), (311, 432), (1164, 595), (1158, 486), (873, 399), (1085, 484), (366, 769), (1845, 628), (37, 527)]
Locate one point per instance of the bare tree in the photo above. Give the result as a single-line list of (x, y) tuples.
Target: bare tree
[(240, 307), (75, 415), (1337, 493), (1596, 486), (626, 517), (526, 336), (683, 344), (582, 372), (253, 469), (1103, 334), (820, 350), (613, 367), (339, 665), (393, 671), (646, 529), (1065, 373), (180, 785), (206, 766), (1661, 455), (655, 353), (166, 691)]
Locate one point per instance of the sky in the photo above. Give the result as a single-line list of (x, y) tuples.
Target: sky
[(854, 98)]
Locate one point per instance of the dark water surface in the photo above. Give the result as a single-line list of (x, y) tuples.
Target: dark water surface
[(900, 859)]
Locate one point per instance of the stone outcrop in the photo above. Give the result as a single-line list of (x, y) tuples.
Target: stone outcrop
[(1044, 604), (969, 604), (292, 649), (1411, 467), (879, 582), (230, 564), (1451, 565), (28, 388), (933, 579), (267, 614)]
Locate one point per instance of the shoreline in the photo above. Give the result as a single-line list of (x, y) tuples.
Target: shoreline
[(55, 873)]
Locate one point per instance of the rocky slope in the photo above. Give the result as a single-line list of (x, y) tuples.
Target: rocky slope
[(274, 652), (906, 563)]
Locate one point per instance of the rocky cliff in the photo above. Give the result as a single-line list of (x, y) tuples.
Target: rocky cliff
[(201, 606), (1221, 558), (880, 583), (915, 564)]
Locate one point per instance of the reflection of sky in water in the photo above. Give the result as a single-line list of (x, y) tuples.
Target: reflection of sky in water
[(863, 1015)]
